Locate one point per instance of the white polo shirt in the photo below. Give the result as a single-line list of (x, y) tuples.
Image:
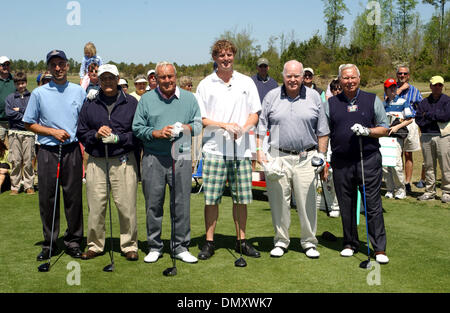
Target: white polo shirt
[(228, 103)]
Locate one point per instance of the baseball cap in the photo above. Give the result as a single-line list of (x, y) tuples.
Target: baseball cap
[(4, 59), (151, 72), (122, 82), (262, 61), (56, 53), (308, 69), (437, 80), (389, 82), (108, 68)]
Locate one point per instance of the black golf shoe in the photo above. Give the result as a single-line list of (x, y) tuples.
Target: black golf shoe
[(207, 251), (45, 254), (247, 249), (74, 252)]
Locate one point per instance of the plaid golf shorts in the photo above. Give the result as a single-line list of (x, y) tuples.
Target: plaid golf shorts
[(217, 170)]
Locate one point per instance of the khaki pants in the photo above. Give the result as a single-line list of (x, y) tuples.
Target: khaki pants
[(301, 179), (4, 125), (123, 182), (436, 149), (21, 154)]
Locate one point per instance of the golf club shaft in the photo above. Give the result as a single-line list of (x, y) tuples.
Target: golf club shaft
[(324, 197), (55, 200), (172, 206), (364, 194), (237, 195), (108, 196)]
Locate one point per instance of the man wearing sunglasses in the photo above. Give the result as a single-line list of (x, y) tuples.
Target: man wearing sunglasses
[(308, 76), (412, 142), (6, 87)]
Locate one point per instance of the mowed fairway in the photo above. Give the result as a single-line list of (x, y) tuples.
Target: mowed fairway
[(417, 235)]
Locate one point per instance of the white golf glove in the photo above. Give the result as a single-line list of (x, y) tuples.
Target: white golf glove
[(111, 139), (92, 94), (360, 130), (176, 130)]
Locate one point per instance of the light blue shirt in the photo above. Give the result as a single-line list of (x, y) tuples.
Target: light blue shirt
[(55, 106)]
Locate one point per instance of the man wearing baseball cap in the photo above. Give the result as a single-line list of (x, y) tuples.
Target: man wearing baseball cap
[(264, 83), (140, 83), (433, 116), (151, 77), (7, 87), (308, 76), (52, 113), (105, 124)]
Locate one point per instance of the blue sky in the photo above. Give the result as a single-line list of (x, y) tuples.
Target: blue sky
[(143, 31)]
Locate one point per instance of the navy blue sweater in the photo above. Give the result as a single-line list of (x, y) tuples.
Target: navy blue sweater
[(431, 111), (15, 100), (94, 114)]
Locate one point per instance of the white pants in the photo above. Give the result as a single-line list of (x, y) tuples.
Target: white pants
[(394, 176), (300, 178)]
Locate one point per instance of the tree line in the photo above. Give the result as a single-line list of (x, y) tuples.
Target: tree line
[(387, 33)]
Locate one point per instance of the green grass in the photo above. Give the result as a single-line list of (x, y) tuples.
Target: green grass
[(417, 236)]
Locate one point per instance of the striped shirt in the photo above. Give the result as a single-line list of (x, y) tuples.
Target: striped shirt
[(412, 96), (398, 108)]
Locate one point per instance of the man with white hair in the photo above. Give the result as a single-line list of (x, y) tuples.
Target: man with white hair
[(104, 126), (298, 127), (165, 120), (357, 115)]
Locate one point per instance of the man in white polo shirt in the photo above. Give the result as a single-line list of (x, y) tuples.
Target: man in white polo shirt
[(229, 104)]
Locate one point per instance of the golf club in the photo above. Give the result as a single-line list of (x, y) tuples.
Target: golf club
[(109, 267), (364, 264), (241, 261), (45, 267), (172, 271), (318, 162)]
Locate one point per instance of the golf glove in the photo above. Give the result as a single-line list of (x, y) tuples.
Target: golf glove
[(92, 94), (176, 130), (111, 139), (360, 130)]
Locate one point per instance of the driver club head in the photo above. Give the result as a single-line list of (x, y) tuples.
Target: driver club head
[(328, 236), (365, 264), (240, 262), (108, 268), (171, 271), (316, 161), (44, 267)]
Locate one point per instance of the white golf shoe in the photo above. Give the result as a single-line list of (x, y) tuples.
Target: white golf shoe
[(347, 252), (152, 257), (389, 195), (312, 253), (334, 214), (382, 258), (400, 194), (277, 252), (187, 257)]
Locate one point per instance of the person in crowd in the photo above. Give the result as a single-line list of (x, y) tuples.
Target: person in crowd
[(123, 83), (399, 115), (46, 77), (185, 83), (104, 128), (308, 81), (90, 56), (355, 117), (52, 113), (433, 117), (140, 83), (5, 166), (298, 127), (264, 83), (152, 82), (165, 120), (93, 78), (7, 87), (21, 141), (229, 104), (411, 143)]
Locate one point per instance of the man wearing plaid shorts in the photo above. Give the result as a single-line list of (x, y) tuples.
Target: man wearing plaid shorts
[(229, 104)]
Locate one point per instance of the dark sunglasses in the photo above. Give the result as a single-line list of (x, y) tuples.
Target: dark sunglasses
[(308, 75), (402, 74), (5, 64)]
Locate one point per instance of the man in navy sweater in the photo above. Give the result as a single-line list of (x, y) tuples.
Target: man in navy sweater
[(106, 120), (351, 114), (433, 116)]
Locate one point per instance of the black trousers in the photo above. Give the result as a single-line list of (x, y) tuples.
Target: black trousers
[(70, 180), (347, 178)]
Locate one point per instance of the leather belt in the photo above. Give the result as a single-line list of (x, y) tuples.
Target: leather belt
[(294, 152)]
